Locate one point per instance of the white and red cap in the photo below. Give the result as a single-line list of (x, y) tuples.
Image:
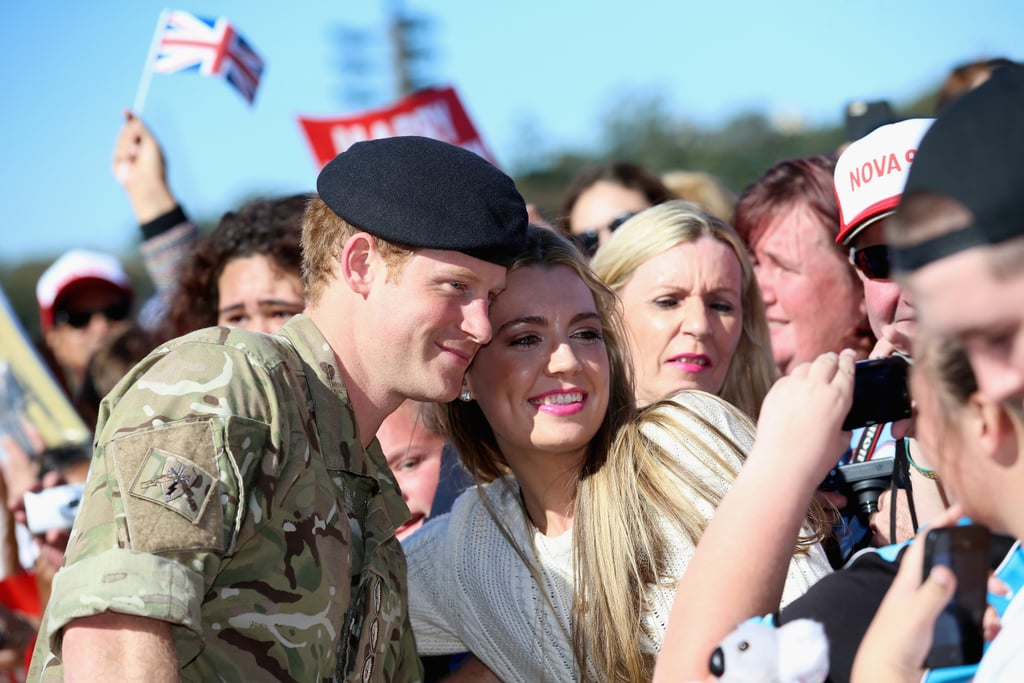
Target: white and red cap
[(871, 172), (77, 266)]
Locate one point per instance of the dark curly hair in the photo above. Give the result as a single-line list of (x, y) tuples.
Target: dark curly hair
[(625, 173), (267, 227)]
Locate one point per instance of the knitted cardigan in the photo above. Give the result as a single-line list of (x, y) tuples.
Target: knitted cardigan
[(470, 591)]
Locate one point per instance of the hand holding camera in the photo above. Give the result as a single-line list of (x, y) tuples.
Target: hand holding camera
[(880, 392), (801, 417)]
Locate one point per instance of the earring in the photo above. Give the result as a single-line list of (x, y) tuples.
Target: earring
[(465, 396)]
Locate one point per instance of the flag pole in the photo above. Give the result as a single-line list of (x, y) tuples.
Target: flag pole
[(147, 71)]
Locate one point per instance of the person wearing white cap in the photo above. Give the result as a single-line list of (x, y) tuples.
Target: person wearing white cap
[(84, 297), (869, 178)]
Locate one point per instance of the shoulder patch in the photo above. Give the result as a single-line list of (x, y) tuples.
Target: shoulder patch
[(174, 482), (169, 481)]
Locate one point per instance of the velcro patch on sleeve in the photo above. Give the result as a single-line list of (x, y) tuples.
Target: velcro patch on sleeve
[(170, 486), (174, 482)]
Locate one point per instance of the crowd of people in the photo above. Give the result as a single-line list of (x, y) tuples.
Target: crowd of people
[(403, 429)]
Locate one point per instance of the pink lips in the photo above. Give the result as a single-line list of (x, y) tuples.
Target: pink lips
[(692, 362), (560, 402)]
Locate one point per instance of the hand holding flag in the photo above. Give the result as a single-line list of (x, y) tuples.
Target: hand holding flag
[(185, 42)]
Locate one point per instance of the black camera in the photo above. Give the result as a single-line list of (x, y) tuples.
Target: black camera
[(880, 392), (862, 483)]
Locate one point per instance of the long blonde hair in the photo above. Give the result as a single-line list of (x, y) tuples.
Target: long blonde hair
[(629, 489), (620, 547), (654, 231)]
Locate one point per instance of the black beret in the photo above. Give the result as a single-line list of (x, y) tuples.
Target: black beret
[(973, 153), (426, 193)]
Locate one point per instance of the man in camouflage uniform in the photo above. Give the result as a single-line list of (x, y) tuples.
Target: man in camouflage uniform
[(238, 523)]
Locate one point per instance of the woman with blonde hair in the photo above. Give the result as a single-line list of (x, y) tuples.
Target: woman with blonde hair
[(562, 564), (704, 190), (691, 304)]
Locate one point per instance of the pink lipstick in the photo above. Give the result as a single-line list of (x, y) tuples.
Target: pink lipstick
[(692, 362), (560, 402)]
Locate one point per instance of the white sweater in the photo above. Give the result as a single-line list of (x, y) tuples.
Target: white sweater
[(470, 591)]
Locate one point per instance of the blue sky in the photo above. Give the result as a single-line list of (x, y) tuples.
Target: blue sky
[(535, 75)]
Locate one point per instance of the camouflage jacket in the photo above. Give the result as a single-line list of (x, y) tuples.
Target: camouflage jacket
[(230, 496)]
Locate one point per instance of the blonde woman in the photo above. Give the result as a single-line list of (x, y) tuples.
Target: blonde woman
[(691, 305), (562, 565)]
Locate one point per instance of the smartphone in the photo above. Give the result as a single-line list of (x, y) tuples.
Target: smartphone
[(880, 392), (958, 638), (52, 508)]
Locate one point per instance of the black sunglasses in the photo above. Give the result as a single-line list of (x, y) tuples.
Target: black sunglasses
[(588, 239), (79, 319), (873, 261)]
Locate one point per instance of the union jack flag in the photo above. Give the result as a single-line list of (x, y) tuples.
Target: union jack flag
[(210, 46)]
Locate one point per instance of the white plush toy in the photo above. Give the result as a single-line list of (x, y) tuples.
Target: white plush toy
[(759, 653)]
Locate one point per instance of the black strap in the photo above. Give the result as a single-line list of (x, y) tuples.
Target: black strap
[(163, 223), (901, 474)]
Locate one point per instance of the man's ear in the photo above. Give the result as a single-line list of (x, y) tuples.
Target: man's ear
[(359, 262)]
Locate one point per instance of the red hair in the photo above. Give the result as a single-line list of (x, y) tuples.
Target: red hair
[(783, 186)]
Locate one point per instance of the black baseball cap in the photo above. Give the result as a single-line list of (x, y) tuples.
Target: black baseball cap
[(974, 154)]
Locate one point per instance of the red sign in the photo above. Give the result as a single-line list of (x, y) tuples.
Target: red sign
[(433, 113)]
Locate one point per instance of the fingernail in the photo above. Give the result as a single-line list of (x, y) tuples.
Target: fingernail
[(940, 575)]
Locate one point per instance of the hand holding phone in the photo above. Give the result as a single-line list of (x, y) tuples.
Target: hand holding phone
[(958, 637), (52, 508)]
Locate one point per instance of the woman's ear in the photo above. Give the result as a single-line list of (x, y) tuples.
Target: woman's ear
[(994, 430), (358, 262)]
